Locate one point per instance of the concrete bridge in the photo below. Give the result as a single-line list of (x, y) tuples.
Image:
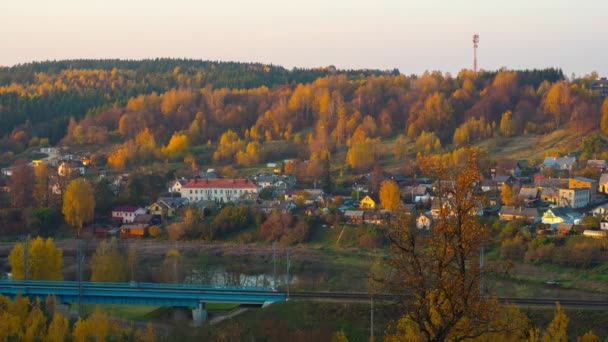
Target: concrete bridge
[(177, 295)]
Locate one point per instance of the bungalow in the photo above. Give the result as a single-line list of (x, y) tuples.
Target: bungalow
[(424, 221), (370, 201), (375, 216), (415, 194), (563, 228), (560, 163), (509, 213), (176, 185), (506, 167), (597, 164), (68, 167), (596, 234), (560, 215), (127, 214), (528, 194), (353, 216)]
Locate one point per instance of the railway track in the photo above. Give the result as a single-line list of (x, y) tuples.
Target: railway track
[(389, 297)]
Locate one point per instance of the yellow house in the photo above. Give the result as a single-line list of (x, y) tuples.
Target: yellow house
[(161, 209), (368, 203)]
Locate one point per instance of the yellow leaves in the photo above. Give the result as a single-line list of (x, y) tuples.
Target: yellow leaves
[(107, 263), (96, 327), (228, 146), (557, 331), (389, 195), (428, 142), (58, 329), (45, 260), (177, 147), (78, 203)]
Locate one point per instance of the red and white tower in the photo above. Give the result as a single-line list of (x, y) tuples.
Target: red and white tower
[(475, 42)]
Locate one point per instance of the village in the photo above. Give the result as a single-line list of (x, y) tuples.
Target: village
[(545, 196)]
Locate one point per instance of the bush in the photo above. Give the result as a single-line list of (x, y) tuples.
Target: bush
[(370, 238), (154, 231)]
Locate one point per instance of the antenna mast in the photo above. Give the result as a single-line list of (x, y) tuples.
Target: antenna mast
[(475, 44)]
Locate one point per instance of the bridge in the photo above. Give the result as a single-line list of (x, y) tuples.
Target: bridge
[(177, 295)]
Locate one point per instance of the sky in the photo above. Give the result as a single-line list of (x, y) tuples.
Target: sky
[(411, 35)]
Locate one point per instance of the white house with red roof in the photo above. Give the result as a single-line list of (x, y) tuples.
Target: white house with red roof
[(221, 190), (127, 213)]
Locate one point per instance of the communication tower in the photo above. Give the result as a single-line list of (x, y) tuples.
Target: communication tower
[(475, 44)]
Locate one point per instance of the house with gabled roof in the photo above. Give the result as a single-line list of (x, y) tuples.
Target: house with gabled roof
[(560, 163), (560, 215), (176, 185), (506, 167), (127, 213), (424, 221), (370, 201), (597, 164), (509, 213), (528, 193)]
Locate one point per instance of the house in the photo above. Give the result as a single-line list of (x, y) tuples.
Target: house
[(496, 183), (145, 219), (424, 221), (509, 213), (560, 215), (560, 163), (221, 190), (408, 209), (370, 201), (127, 214), (596, 234), (134, 230), (599, 87), (528, 194), (209, 174), (573, 198), (415, 194), (597, 164), (506, 167), (548, 182), (66, 168), (582, 182), (550, 195), (603, 184), (375, 216), (563, 228), (161, 209), (176, 185), (353, 216), (601, 209), (49, 150), (7, 171)]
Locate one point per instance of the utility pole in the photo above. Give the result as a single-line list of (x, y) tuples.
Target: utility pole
[(481, 271), (79, 260), (288, 266), (26, 270), (371, 318), (274, 263)]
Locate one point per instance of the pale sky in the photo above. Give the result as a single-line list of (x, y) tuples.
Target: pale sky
[(412, 35)]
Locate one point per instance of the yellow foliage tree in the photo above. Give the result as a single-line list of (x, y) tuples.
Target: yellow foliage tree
[(177, 147), (78, 203), (44, 260), (557, 331), (96, 327), (389, 195), (58, 329), (107, 264)]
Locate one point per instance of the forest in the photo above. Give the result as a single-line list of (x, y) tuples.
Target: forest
[(137, 112)]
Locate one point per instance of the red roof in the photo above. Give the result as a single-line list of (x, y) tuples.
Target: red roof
[(126, 209), (221, 183)]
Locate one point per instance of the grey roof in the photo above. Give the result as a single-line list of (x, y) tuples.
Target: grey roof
[(585, 179), (519, 211), (528, 192), (414, 190), (596, 162), (554, 162), (549, 192), (353, 213)]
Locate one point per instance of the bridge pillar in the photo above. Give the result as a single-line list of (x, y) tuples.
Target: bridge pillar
[(199, 315)]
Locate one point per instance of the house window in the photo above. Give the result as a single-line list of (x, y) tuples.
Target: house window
[(215, 191), (221, 191), (190, 191)]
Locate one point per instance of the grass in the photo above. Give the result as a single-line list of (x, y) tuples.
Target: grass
[(129, 312)]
